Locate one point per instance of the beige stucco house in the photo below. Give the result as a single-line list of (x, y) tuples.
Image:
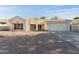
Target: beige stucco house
[(74, 25), (18, 23)]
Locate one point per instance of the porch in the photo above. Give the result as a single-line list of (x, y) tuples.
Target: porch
[(37, 27)]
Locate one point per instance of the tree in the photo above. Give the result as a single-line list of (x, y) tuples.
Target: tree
[(43, 17), (76, 18)]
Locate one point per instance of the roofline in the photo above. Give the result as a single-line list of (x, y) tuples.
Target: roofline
[(17, 16)]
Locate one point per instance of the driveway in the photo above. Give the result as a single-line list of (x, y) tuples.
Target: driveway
[(71, 37)]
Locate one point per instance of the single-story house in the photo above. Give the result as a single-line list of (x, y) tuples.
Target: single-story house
[(18, 23), (74, 25)]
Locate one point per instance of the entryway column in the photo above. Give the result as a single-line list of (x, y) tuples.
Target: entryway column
[(37, 25), (27, 25), (45, 26)]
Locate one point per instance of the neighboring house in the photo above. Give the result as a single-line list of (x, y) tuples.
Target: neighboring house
[(3, 24), (34, 24), (75, 25)]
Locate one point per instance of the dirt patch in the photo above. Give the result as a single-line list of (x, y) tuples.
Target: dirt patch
[(20, 33), (42, 43)]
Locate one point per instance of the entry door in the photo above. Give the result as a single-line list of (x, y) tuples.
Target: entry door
[(32, 27), (40, 27), (18, 26)]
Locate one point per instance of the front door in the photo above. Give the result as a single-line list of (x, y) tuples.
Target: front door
[(40, 27), (18, 26), (32, 27)]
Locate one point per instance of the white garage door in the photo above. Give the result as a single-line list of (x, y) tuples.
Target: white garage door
[(58, 27), (75, 27)]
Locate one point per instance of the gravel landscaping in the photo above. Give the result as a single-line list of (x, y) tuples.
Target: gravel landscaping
[(43, 43)]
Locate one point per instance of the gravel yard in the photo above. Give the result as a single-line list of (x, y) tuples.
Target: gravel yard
[(39, 43)]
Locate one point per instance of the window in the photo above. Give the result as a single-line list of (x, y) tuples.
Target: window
[(18, 26)]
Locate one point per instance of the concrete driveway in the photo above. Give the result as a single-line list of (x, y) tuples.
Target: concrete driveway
[(71, 37)]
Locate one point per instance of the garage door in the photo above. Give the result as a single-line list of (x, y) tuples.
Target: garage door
[(75, 27), (58, 27)]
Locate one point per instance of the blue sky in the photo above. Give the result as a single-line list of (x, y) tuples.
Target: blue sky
[(64, 11)]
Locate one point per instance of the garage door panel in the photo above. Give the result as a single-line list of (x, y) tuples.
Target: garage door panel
[(58, 27)]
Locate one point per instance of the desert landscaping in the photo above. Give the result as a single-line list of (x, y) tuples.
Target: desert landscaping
[(34, 43)]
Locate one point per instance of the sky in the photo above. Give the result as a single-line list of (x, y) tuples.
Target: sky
[(26, 11)]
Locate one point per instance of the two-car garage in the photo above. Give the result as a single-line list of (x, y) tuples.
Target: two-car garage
[(58, 26)]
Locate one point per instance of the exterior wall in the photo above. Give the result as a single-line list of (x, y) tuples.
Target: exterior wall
[(32, 21), (27, 27), (38, 22), (10, 26)]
